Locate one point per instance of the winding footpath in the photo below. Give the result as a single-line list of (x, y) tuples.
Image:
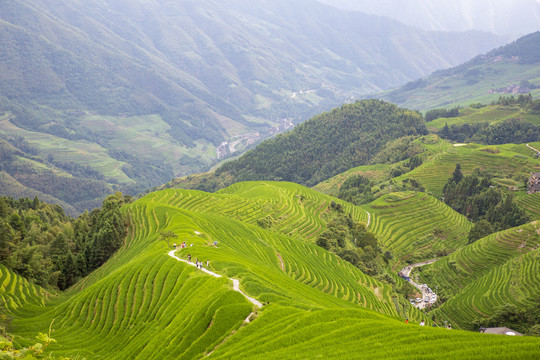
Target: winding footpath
[(236, 282), (368, 218)]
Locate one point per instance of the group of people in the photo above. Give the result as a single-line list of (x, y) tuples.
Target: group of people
[(198, 264), (182, 245)]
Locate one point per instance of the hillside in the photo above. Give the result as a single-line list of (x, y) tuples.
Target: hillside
[(145, 304), (140, 92), (325, 145), (481, 80), (503, 267), (416, 226)]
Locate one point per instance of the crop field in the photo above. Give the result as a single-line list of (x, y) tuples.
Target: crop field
[(490, 114), (143, 304), (459, 269), (496, 160), (531, 204), (16, 291), (503, 267), (331, 186), (142, 294), (80, 151), (416, 226), (515, 282), (287, 333), (291, 209)]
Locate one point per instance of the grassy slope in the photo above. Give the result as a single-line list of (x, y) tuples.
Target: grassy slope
[(416, 226), (16, 292), (141, 290), (508, 162), (142, 304), (502, 267), (490, 114), (449, 89)]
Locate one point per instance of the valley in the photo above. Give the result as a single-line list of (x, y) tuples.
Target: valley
[(274, 180)]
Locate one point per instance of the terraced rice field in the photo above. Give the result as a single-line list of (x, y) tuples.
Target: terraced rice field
[(142, 298), (296, 211), (415, 226), (143, 304), (434, 174), (501, 268), (531, 204), (16, 291), (287, 333)]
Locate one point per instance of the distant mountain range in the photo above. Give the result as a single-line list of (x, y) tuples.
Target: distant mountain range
[(516, 17), (507, 71), (140, 91)]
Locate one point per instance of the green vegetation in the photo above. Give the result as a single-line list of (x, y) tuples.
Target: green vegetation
[(474, 196), (502, 267), (318, 149), (416, 226), (144, 304), (480, 80), (38, 241)]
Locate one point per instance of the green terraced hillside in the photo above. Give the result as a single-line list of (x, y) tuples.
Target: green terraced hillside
[(416, 226), (143, 304), (291, 209), (16, 292), (491, 114), (531, 204), (501, 161), (499, 269)]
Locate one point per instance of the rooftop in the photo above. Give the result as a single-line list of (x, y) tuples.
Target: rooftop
[(502, 331)]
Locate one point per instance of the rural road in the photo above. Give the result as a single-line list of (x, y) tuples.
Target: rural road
[(424, 291), (236, 282)]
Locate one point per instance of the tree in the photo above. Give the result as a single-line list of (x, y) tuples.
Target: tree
[(479, 230), (457, 175), (168, 236)]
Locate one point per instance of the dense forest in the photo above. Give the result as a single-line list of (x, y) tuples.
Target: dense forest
[(40, 242), (488, 207)]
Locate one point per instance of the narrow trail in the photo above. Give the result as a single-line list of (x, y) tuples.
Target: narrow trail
[(533, 149), (281, 261), (236, 282), (368, 218)]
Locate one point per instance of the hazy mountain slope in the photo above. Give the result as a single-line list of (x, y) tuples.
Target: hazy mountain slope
[(190, 75), (319, 148), (516, 17), (482, 79)]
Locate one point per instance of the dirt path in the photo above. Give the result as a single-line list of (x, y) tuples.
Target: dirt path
[(236, 282), (281, 261), (533, 149), (368, 218)]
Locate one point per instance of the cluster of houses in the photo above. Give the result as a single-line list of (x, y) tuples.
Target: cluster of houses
[(510, 89), (533, 185)]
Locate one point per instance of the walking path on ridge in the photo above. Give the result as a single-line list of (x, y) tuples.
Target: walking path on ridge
[(236, 282), (368, 218), (533, 149)]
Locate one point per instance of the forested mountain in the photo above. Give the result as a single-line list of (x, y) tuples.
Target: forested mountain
[(512, 69), (324, 146), (141, 91), (516, 17)]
